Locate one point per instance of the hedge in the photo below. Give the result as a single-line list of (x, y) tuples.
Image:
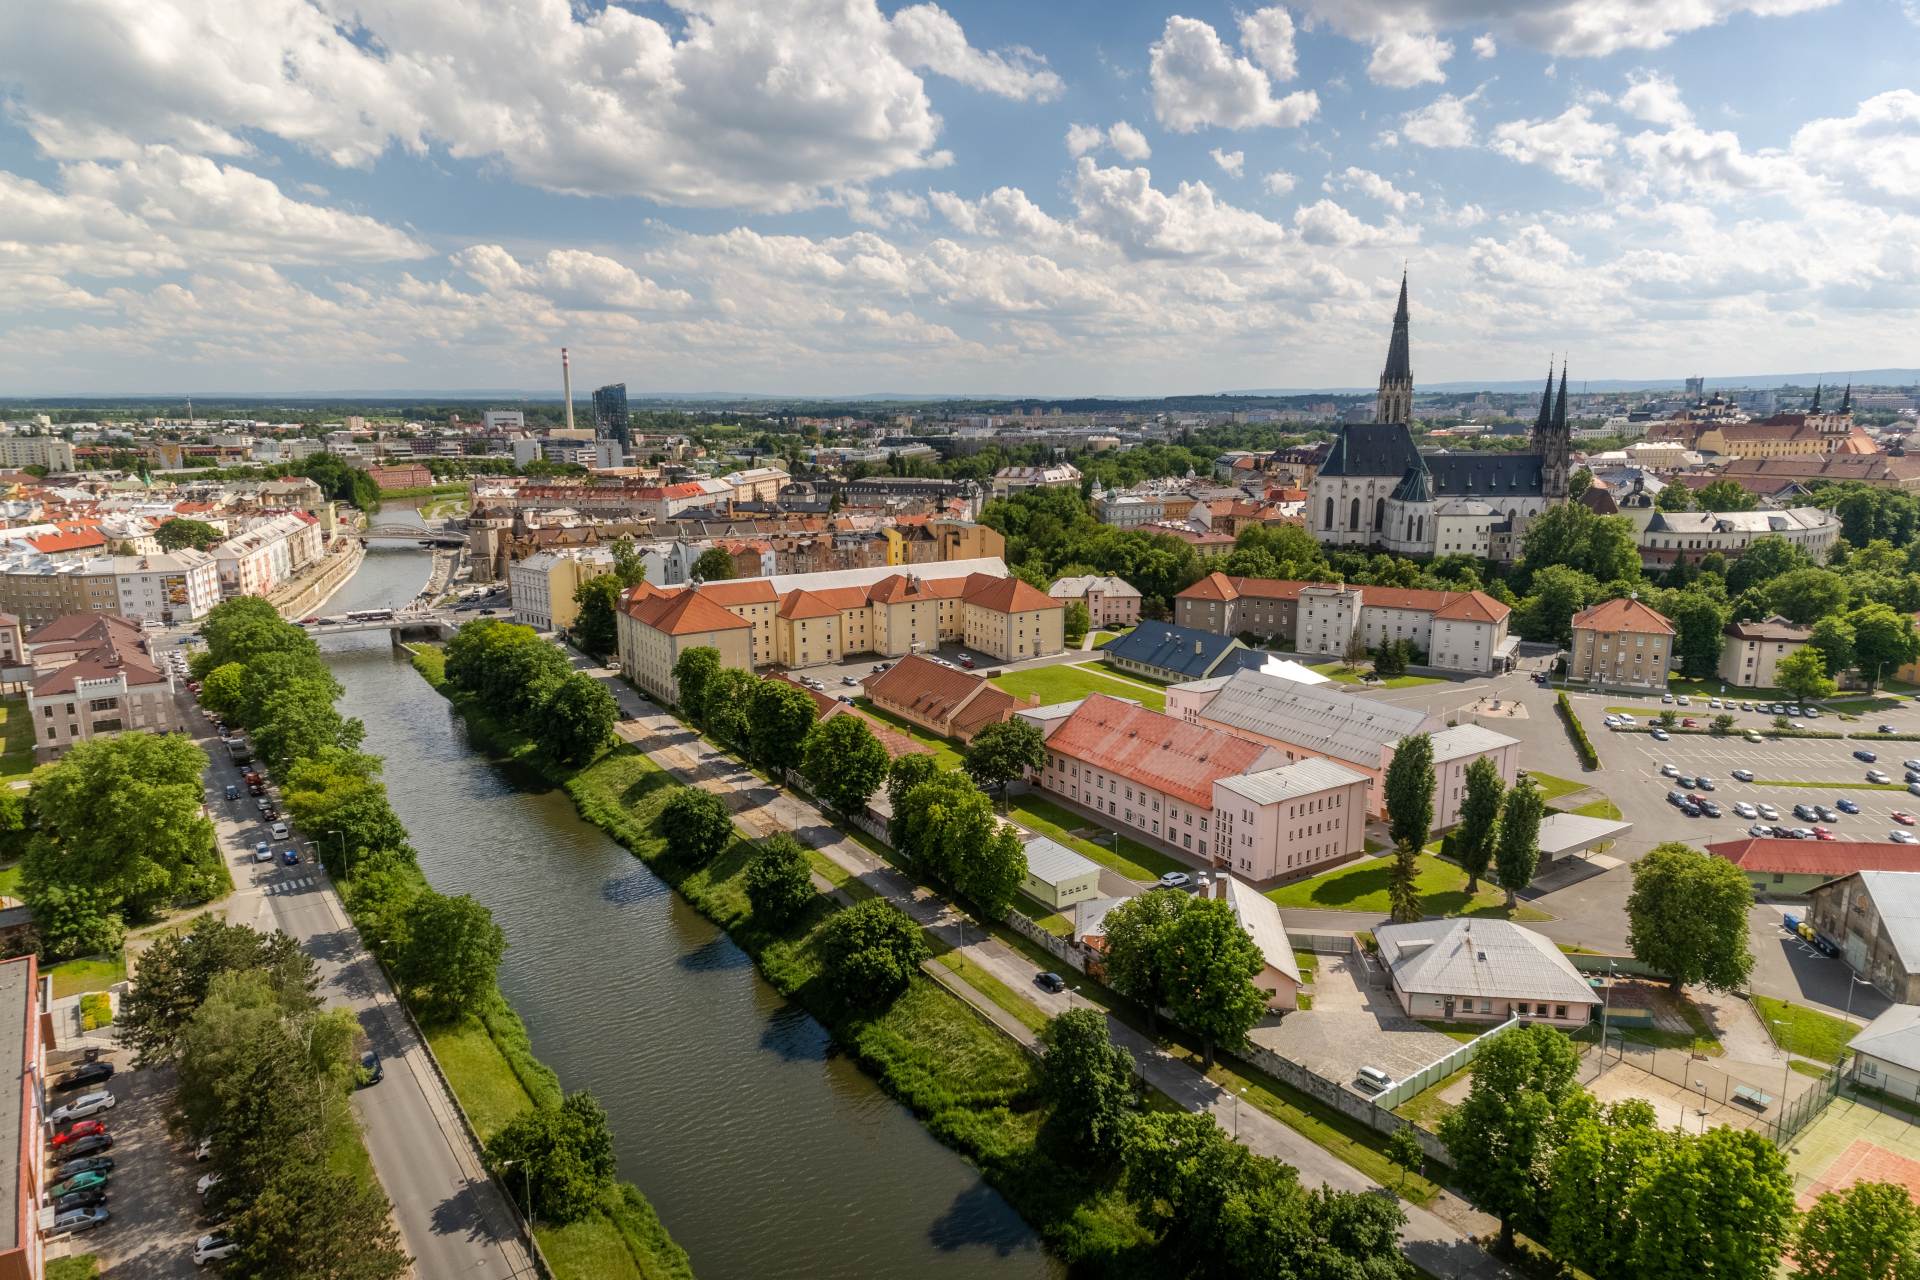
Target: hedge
[(1582, 745)]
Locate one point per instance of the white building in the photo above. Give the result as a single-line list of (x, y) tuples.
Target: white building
[(1059, 475), (163, 589), (255, 561), (50, 452)]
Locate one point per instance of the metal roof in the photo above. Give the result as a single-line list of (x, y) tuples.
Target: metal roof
[(1893, 1037), (1051, 862), (1490, 958), (1261, 919), (1183, 650), (1468, 740), (1308, 777), (1318, 718), (1571, 832), (1896, 897)]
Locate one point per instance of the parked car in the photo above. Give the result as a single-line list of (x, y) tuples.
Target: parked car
[(1752, 735), (1690, 808), (1910, 764), (280, 831), (1768, 812), (213, 1248), (851, 682), (1821, 833), (966, 660), (80, 1077), (1758, 830), (1746, 810), (1175, 880), (92, 1144), (208, 1181), (77, 1220), (263, 852), (1805, 811), (1902, 817), (1845, 805), (1900, 835), (1050, 982), (70, 1169), (1826, 814), (263, 804), (1874, 775), (233, 792), (1887, 728), (1743, 775), (1686, 781), (1865, 757), (1668, 771), (1685, 701), (1709, 808), (1689, 723), (1660, 735), (291, 857), (1704, 782), (1666, 697), (80, 1108)]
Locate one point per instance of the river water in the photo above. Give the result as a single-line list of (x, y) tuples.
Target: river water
[(766, 1154)]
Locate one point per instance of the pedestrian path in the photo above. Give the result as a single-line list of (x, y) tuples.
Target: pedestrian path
[(292, 886)]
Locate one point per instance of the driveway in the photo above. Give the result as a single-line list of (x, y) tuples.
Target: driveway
[(1352, 1024), (155, 1210)]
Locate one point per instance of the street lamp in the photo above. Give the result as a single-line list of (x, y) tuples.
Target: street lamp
[(526, 1210), (1701, 1085), (1786, 1074), (1606, 1007), (1853, 980), (1237, 1095)]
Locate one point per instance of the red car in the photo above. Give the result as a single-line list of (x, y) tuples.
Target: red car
[(1688, 723), (84, 1129), (1902, 817), (1821, 833)]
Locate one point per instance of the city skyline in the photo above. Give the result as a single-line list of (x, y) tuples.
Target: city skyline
[(847, 199)]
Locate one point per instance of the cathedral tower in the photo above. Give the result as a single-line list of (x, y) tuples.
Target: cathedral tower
[(1395, 403), (1553, 440)]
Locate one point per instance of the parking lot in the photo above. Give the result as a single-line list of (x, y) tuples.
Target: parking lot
[(1353, 1024), (152, 1203)]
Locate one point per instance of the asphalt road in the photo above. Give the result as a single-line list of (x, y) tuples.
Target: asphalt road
[(452, 1218)]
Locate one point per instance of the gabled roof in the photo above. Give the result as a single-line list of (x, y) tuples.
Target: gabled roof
[(1371, 449), (1624, 614), (962, 700), (685, 612), (1830, 858), (738, 591), (1480, 957), (1186, 651), (1074, 588), (1007, 595), (1261, 919), (1153, 750), (1896, 899), (1050, 862), (1319, 718), (1893, 1037), (805, 604)]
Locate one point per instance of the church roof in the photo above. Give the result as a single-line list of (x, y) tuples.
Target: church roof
[(1414, 486), (1489, 476), (1371, 449), (1399, 359)]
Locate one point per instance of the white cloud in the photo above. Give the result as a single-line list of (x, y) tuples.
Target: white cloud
[(568, 278), (1005, 213), (1579, 28), (1233, 162), (1535, 258), (1402, 59), (1656, 99), (1267, 36), (1572, 145), (1326, 223), (1444, 122), (1082, 138), (1279, 182), (1485, 47), (1687, 158), (1372, 185), (1198, 82), (1874, 154), (764, 107), (1127, 142), (1124, 207)]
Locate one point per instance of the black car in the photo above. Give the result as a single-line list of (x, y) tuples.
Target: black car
[(81, 1200), (372, 1071), (1782, 833), (91, 1145), (85, 1164), (1689, 808), (81, 1077), (1866, 756), (1050, 982)]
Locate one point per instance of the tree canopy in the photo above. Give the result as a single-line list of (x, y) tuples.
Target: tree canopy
[(1687, 917)]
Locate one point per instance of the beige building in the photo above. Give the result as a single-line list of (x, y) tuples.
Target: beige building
[(37, 590), (1621, 643), (50, 452), (541, 587), (1482, 970), (94, 677), (1111, 602), (655, 627), (1295, 819), (1750, 652)]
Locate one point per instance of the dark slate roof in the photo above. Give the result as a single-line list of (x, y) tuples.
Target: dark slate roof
[(1488, 476), (1399, 364), (1415, 486), (1184, 650), (1372, 449)]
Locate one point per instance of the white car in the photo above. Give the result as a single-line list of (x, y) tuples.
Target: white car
[(1175, 880), (1746, 810), (1611, 722), (1627, 717), (87, 1104), (1770, 813), (1743, 775), (213, 1249), (208, 1181), (1669, 771), (280, 830), (1899, 836)]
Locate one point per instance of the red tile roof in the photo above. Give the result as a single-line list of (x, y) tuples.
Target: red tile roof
[(739, 591), (961, 700), (1830, 858), (684, 613), (1458, 606), (73, 540), (1153, 750), (1007, 595), (805, 604), (1624, 614)]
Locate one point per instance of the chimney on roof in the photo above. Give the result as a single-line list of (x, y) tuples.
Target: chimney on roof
[(1196, 648), (1033, 699)]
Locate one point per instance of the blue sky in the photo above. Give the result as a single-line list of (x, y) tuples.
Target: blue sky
[(840, 197)]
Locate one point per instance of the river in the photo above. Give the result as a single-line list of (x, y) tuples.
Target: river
[(766, 1153)]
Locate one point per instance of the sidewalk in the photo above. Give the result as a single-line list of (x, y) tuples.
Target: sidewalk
[(1433, 1243)]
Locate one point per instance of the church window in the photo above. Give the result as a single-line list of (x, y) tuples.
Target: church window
[(1329, 519), (1353, 516), (1379, 514)]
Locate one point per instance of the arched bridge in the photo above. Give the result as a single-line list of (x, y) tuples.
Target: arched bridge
[(413, 533)]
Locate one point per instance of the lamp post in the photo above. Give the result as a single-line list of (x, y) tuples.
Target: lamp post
[(1853, 981), (1786, 1073), (1701, 1085), (1606, 1008), (526, 1210)]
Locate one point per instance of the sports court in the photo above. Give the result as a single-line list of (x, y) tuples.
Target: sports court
[(1854, 1142)]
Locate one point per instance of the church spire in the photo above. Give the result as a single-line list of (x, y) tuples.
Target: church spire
[(1552, 439), (1395, 402), (1560, 404), (1846, 401), (1545, 419), (1816, 399)]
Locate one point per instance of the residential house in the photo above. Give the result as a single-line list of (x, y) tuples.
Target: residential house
[(1886, 1056), (943, 700), (542, 586), (1795, 868), (1292, 820), (1750, 652), (164, 588), (1462, 969), (1111, 602), (1621, 643), (93, 677), (655, 627)]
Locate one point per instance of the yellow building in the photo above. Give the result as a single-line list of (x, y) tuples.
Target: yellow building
[(1621, 643), (656, 627), (1751, 652)]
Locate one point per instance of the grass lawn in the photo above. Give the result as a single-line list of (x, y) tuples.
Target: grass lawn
[(1807, 1032), (1341, 673), (1066, 683), (489, 1090), (88, 973), (16, 739), (1426, 1108), (1101, 637), (1133, 860), (1598, 809), (10, 881), (1057, 923), (1552, 788), (945, 753), (79, 1266), (992, 988), (1362, 886)]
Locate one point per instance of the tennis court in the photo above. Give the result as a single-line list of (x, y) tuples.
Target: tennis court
[(1854, 1142)]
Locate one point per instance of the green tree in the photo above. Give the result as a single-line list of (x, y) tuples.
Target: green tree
[(1603, 547), (1517, 854), (1832, 639), (578, 720), (696, 824), (1076, 621), (594, 629), (1699, 623), (1137, 948), (245, 627), (1687, 917), (1210, 964), (628, 565), (778, 720), (181, 532), (779, 880), (1501, 1137), (1675, 497), (311, 1223), (1883, 641), (1807, 595), (1409, 794), (1596, 1171), (174, 974), (1087, 1083), (1722, 723), (693, 670), (715, 564), (222, 689), (1002, 753), (1803, 674), (726, 705), (1764, 560), (1557, 592), (1724, 495), (451, 955), (906, 773), (560, 1155), (74, 920), (870, 952), (1390, 659), (1719, 1205), (1402, 1147), (1870, 1231), (1579, 482), (843, 762), (1473, 839)]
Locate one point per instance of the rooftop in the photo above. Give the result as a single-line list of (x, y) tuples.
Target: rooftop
[(1051, 862), (1893, 1037), (1154, 750), (1319, 718), (1480, 957), (1624, 614), (1288, 782)]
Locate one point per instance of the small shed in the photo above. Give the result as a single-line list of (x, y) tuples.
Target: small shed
[(1057, 876)]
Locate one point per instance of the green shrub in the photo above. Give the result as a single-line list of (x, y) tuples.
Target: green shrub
[(1582, 745), (96, 1010)]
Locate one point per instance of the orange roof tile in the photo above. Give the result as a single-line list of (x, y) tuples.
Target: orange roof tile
[(1007, 595), (685, 613), (1624, 614), (1157, 751), (805, 604), (740, 591)]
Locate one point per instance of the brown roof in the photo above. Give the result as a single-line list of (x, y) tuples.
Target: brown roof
[(1774, 628), (84, 630), (1168, 755), (1624, 614), (805, 604), (739, 591), (108, 647), (1830, 858), (945, 695), (1467, 606), (681, 613), (1007, 595)]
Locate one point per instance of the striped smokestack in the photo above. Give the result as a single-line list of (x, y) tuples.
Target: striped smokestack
[(566, 385)]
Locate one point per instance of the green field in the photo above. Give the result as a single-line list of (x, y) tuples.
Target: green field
[(1133, 860), (1551, 787), (1598, 809), (1068, 683), (88, 973), (945, 752), (16, 739), (1101, 637), (1807, 1032), (1341, 673), (1362, 886)]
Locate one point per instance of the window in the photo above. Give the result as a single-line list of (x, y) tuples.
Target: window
[(1559, 1011)]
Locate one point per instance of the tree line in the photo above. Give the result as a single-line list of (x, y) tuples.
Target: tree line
[(528, 684)]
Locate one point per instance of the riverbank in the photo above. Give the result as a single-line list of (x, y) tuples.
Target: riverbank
[(971, 1085), (309, 596)]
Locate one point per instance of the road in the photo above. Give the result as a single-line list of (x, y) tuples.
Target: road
[(451, 1216)]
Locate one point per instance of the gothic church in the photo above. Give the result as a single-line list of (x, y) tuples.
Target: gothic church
[(1376, 490)]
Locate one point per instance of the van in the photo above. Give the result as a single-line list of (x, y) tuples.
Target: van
[(1373, 1080)]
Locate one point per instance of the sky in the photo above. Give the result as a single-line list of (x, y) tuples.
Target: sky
[(1013, 197)]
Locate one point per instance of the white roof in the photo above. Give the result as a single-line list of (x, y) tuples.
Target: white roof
[(1893, 1037), (1051, 862), (1896, 897), (1491, 958), (993, 566), (1261, 919), (1468, 740), (1288, 782), (1071, 588), (1288, 669), (1571, 832), (1319, 718)]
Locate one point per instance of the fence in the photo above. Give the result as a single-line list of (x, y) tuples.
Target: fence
[(1697, 1076), (1440, 1068), (1322, 944), (1597, 964), (1338, 1097), (1058, 947), (1798, 1114)]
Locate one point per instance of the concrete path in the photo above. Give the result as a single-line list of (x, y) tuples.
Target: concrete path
[(1436, 1244)]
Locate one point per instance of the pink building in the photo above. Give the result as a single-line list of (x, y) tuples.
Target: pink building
[(1111, 602), (1299, 817)]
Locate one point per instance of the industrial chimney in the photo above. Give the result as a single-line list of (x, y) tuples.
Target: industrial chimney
[(566, 385)]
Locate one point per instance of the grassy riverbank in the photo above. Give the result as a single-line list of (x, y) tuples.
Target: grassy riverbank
[(974, 1088)]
